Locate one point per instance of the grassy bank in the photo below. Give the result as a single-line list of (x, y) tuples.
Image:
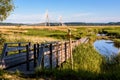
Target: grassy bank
[(88, 64), (113, 32)]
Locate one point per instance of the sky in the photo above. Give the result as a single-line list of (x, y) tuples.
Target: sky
[(33, 11)]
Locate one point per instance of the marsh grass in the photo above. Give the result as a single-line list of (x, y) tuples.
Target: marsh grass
[(88, 64), (114, 32)]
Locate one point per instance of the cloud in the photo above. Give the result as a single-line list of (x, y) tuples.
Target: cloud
[(54, 17), (31, 18), (91, 17), (102, 19), (79, 17), (20, 18)]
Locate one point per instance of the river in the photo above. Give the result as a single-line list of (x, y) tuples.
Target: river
[(106, 48)]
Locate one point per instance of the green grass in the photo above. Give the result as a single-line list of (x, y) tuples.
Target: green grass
[(87, 58), (114, 31), (76, 34), (47, 33)]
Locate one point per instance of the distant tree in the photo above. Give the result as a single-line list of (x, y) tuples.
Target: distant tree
[(6, 6)]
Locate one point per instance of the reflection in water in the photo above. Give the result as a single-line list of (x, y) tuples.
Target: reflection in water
[(101, 34), (106, 48)]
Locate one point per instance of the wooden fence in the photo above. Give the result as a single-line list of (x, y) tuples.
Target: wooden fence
[(53, 54), (48, 55), (14, 54)]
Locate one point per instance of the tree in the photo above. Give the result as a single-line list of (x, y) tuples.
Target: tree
[(6, 6)]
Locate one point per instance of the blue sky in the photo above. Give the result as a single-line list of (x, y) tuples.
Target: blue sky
[(33, 11)]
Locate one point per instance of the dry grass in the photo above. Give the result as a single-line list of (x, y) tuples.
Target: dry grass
[(34, 39), (61, 28), (13, 33), (11, 30), (11, 36), (10, 77)]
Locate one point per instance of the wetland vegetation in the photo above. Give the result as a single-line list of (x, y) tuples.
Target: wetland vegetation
[(88, 62)]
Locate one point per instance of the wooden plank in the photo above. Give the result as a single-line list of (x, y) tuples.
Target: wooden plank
[(19, 51), (17, 58), (9, 47), (16, 45), (4, 52), (42, 63), (54, 56), (38, 50), (18, 42), (15, 61), (47, 61), (15, 55), (27, 59), (17, 64), (57, 56), (65, 51), (15, 49), (41, 53), (61, 52), (51, 56), (35, 56)]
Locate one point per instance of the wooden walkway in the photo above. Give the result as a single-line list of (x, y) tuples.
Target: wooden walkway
[(28, 57)]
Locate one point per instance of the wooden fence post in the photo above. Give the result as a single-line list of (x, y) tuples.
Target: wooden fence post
[(38, 50), (70, 44), (27, 58), (42, 63), (65, 51), (29, 43), (19, 44), (61, 54), (4, 52), (40, 60), (57, 48), (35, 56), (51, 55)]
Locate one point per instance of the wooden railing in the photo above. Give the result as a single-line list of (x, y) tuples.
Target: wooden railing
[(47, 55), (14, 54), (53, 54)]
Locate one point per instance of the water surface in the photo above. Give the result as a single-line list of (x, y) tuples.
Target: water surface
[(106, 48)]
